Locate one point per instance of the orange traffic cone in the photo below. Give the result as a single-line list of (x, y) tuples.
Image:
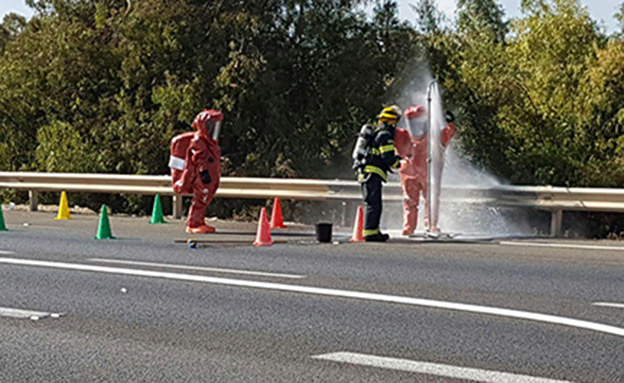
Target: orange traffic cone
[(277, 221), (263, 237), (359, 226)]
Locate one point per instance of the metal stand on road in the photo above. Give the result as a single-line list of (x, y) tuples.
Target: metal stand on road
[(220, 241)]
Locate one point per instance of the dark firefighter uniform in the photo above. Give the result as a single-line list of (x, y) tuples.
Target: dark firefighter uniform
[(379, 160)]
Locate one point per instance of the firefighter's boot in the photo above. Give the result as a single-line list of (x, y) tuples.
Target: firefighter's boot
[(379, 237)]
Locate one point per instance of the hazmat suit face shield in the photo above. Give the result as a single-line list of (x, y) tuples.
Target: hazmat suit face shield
[(216, 130), (418, 126), (212, 129)]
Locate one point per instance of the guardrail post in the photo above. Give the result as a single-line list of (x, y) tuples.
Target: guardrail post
[(33, 200), (556, 221), (177, 205)]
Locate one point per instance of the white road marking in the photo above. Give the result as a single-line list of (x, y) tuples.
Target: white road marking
[(4, 252), (199, 268), (608, 304), (562, 246), (22, 314), (509, 313), (472, 374)]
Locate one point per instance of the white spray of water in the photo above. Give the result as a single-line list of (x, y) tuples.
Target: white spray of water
[(457, 173)]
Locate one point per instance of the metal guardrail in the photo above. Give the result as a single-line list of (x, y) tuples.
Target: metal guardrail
[(553, 199)]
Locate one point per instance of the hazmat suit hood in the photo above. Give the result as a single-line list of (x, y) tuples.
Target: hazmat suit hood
[(208, 123), (417, 121)]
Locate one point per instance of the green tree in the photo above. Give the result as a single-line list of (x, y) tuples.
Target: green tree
[(527, 113), (619, 16), (62, 149), (601, 114), (103, 85), (428, 18), (113, 81), (11, 25), (479, 15)]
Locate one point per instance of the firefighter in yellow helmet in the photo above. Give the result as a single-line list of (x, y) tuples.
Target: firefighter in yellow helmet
[(374, 157)]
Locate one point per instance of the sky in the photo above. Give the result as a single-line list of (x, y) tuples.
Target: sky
[(600, 10)]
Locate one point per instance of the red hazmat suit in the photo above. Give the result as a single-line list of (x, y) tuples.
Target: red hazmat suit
[(412, 145), (196, 167)]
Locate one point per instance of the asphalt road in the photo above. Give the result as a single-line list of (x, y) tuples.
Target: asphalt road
[(142, 308)]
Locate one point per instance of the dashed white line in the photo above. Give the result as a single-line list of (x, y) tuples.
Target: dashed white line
[(609, 304), (23, 314), (562, 246), (502, 312), (199, 268), (4, 252), (472, 374)]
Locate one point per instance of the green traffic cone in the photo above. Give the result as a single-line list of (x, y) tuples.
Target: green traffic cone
[(2, 226), (157, 213), (104, 229)]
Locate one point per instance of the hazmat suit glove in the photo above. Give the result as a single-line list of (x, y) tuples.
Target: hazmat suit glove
[(449, 117), (205, 176)]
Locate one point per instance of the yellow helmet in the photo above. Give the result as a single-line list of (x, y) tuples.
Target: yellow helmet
[(390, 114)]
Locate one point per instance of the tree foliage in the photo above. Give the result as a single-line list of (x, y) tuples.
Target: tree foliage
[(482, 15), (543, 105), (294, 78), (103, 85)]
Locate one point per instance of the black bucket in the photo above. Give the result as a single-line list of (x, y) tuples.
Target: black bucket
[(324, 232)]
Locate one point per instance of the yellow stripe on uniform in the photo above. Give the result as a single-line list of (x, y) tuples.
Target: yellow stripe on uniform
[(376, 170), (375, 152), (386, 148), (368, 233)]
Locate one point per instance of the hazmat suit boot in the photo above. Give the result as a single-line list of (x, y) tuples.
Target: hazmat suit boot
[(203, 229), (434, 232), (379, 237)]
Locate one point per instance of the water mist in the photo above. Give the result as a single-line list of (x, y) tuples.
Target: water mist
[(449, 170)]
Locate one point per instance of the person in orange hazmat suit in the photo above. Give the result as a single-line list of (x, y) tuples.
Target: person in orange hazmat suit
[(412, 145), (196, 167)]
